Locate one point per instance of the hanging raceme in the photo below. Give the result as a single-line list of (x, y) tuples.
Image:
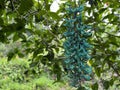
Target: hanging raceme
[(76, 46)]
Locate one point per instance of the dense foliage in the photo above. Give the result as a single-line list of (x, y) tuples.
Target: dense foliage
[(38, 32), (13, 77)]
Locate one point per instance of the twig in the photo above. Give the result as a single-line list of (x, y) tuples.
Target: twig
[(28, 14), (112, 35), (12, 5)]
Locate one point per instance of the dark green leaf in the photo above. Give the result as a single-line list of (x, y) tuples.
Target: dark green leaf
[(25, 6), (106, 84), (95, 86)]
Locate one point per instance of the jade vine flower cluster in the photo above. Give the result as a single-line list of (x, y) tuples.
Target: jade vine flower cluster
[(76, 46)]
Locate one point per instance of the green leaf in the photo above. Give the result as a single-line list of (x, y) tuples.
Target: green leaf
[(47, 5), (106, 84), (95, 86), (96, 15), (21, 55), (10, 55), (102, 10), (15, 37), (109, 16), (1, 21), (54, 15), (2, 5), (111, 82), (50, 55), (25, 6), (98, 71), (81, 88)]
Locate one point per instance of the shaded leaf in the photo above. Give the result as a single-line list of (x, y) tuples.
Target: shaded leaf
[(95, 86)]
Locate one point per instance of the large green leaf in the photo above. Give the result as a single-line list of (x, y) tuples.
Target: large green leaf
[(25, 5)]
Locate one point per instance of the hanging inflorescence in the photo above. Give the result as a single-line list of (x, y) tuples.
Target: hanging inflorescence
[(76, 47)]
